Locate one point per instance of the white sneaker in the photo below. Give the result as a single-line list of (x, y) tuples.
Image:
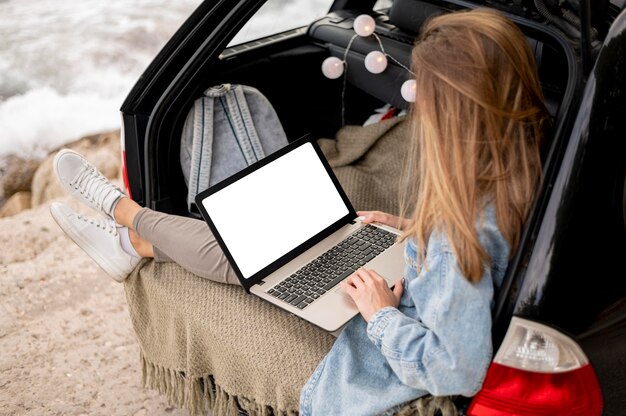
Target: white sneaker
[(98, 238), (85, 182)]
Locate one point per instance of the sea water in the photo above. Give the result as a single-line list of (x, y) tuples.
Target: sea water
[(66, 66)]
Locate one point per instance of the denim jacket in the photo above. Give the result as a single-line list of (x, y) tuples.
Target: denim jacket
[(437, 341)]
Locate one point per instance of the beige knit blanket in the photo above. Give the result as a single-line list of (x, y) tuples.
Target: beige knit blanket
[(211, 346), (368, 162)]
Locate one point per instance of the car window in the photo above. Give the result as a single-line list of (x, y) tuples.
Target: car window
[(382, 4), (277, 16)]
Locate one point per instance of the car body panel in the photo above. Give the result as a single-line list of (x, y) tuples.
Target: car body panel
[(575, 277)]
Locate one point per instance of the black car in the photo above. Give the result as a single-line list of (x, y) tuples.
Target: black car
[(559, 327)]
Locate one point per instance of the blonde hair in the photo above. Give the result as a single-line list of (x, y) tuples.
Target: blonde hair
[(476, 127)]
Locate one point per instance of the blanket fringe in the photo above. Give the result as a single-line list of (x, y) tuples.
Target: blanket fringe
[(200, 394)]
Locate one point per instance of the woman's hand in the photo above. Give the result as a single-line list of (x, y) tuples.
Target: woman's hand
[(370, 292), (384, 218)]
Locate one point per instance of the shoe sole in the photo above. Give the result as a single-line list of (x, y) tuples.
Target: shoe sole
[(102, 262)]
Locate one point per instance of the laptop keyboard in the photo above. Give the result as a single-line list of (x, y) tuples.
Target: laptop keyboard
[(322, 274)]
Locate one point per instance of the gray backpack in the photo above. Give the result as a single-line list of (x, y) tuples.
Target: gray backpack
[(230, 127)]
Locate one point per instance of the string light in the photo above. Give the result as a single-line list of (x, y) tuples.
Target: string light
[(408, 90), (364, 25), (375, 61), (332, 67)]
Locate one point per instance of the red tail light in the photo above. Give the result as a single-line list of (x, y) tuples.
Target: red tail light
[(538, 371), (125, 174), (124, 169)]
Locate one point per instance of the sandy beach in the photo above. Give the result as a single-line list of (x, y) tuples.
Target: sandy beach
[(66, 339)]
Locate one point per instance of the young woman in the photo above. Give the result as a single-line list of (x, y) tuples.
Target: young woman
[(477, 126)]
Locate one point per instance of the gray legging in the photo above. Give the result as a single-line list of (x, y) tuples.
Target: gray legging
[(186, 241)]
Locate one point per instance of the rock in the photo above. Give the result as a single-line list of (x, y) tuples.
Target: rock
[(102, 150), (17, 203), (16, 174)]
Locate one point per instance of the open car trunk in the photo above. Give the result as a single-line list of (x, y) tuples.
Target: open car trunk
[(286, 68)]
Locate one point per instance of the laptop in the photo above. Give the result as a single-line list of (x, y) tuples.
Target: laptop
[(291, 235)]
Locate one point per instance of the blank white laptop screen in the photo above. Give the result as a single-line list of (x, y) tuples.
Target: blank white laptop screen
[(274, 209)]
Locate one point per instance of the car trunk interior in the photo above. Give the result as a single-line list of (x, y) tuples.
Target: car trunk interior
[(288, 72), (286, 68)]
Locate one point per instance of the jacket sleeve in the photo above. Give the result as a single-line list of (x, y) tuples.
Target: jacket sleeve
[(448, 350)]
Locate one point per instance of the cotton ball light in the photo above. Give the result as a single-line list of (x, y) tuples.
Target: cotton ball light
[(364, 25), (408, 90), (375, 62), (332, 67)]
